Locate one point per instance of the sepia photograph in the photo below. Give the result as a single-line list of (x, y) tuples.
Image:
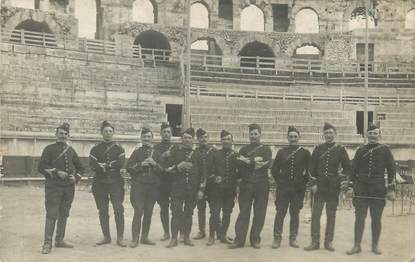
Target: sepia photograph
[(207, 130)]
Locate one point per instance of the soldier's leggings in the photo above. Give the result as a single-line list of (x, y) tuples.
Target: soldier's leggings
[(164, 202), (201, 214), (376, 207), (103, 194), (220, 199), (251, 195), (182, 206), (292, 199), (331, 201)]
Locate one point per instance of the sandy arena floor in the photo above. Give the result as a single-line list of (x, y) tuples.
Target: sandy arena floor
[(22, 220)]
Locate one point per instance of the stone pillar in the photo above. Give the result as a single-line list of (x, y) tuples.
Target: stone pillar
[(124, 45)]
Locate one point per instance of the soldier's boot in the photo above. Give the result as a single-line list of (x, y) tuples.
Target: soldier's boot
[(49, 229), (119, 223), (293, 242), (104, 221), (355, 250), (181, 237), (276, 243), (211, 240), (187, 241), (165, 237), (164, 216), (134, 242), (329, 246), (224, 239), (375, 249), (200, 235), (312, 246), (173, 243), (60, 234), (146, 241)]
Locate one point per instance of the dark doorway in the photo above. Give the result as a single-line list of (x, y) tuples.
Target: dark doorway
[(360, 55), (226, 13), (281, 21), (257, 54), (174, 117), (360, 121), (149, 40)]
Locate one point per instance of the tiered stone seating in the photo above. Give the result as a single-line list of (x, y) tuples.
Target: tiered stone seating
[(215, 114), (397, 124)]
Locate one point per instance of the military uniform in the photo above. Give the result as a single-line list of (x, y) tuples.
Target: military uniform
[(145, 182), (201, 155), (163, 150), (324, 166), (185, 184), (290, 172), (369, 165), (108, 184), (221, 190), (59, 192), (253, 191)]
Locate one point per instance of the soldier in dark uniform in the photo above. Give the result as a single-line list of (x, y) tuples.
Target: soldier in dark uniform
[(106, 159), (187, 187), (163, 149), (144, 169), (62, 168), (324, 169), (221, 188), (254, 160), (290, 172), (202, 152), (369, 165)]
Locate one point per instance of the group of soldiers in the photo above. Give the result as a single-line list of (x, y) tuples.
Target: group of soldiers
[(179, 176)]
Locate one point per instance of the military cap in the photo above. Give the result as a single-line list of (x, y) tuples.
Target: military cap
[(293, 129), (190, 131), (372, 126), (200, 132), (253, 127), (224, 133), (104, 124), (164, 125), (145, 130), (328, 126), (64, 126)]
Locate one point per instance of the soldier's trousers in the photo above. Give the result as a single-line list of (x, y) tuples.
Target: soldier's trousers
[(58, 202), (256, 195), (183, 202), (331, 201), (164, 203), (293, 199), (220, 199), (103, 194), (143, 196), (201, 214), (376, 207)]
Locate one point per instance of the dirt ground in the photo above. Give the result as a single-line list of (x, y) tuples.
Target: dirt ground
[(22, 220)]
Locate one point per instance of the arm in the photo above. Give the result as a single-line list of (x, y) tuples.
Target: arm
[(276, 167), (78, 166), (312, 167), (93, 159), (133, 165), (390, 166), (307, 158), (266, 161), (345, 162), (118, 163), (355, 166), (44, 166)]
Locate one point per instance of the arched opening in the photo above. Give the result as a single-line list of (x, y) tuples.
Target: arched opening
[(145, 11), (199, 15), (31, 32), (410, 20), (306, 21), (28, 4), (252, 19), (86, 13), (357, 19), (257, 54), (226, 13), (304, 56), (152, 44), (206, 51)]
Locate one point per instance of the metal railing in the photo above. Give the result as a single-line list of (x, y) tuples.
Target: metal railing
[(342, 98)]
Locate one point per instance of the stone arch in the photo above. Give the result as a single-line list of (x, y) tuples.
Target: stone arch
[(308, 51), (206, 46), (252, 18), (199, 15), (307, 21), (151, 39), (357, 18), (87, 22), (145, 11), (410, 19), (31, 37), (255, 49)]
